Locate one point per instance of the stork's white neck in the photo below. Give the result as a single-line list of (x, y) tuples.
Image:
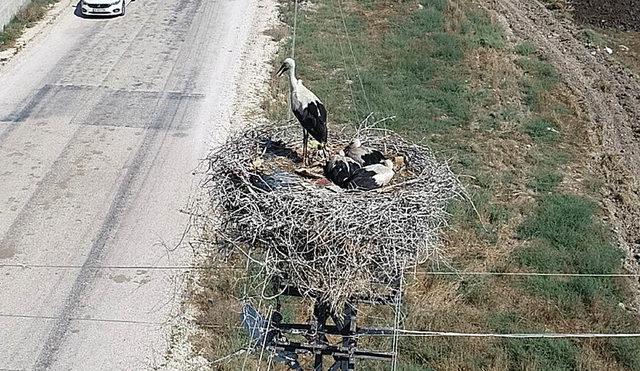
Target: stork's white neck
[(293, 82)]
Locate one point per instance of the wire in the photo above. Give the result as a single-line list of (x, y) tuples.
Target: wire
[(416, 272), (245, 290), (400, 332), (122, 267), (80, 319), (293, 54), (529, 274), (346, 69), (108, 320), (295, 28), (396, 324), (353, 54), (551, 335), (263, 346)]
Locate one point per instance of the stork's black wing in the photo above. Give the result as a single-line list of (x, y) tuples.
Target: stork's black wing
[(340, 172), (363, 179), (314, 119), (374, 157)]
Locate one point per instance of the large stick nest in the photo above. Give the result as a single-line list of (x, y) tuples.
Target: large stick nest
[(332, 244)]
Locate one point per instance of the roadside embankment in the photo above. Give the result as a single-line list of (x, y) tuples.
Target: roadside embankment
[(16, 16), (8, 9)]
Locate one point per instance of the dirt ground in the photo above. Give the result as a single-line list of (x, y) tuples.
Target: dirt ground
[(619, 14), (609, 96)]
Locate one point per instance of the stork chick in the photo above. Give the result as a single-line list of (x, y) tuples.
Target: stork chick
[(364, 156), (307, 108), (372, 176), (340, 169)]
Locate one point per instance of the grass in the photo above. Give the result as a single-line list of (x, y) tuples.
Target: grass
[(418, 65), (541, 130), (525, 49), (482, 31), (26, 17), (539, 78), (545, 180), (541, 354), (627, 350), (502, 115), (567, 238), (592, 37)]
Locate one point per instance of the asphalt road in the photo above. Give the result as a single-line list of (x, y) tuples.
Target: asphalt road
[(101, 123)]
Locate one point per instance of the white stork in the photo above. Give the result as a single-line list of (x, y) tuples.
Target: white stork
[(307, 108), (364, 156), (372, 176), (340, 169)]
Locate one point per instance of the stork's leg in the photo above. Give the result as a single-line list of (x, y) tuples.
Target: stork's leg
[(305, 141)]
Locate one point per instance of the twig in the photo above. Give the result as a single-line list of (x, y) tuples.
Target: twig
[(330, 245)]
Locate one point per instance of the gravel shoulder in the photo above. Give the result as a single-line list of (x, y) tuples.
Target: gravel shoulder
[(190, 336)]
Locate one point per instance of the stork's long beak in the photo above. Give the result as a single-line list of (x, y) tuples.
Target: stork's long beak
[(281, 70)]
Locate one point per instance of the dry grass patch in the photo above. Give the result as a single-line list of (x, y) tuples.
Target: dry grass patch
[(26, 17)]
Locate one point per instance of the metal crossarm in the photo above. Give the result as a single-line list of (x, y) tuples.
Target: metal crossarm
[(316, 333)]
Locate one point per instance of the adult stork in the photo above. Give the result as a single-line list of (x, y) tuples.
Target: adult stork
[(340, 169), (307, 108), (372, 176), (364, 156)]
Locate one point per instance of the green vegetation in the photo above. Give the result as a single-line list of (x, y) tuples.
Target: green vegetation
[(481, 31), (541, 354), (503, 117), (409, 69), (567, 239), (539, 78), (628, 352), (541, 130), (525, 49), (592, 37), (419, 64), (545, 180), (26, 17)]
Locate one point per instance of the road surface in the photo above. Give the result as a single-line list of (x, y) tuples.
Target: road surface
[(102, 122)]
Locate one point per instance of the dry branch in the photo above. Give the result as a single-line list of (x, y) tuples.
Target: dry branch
[(330, 243)]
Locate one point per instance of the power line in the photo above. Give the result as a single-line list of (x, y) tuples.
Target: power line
[(81, 319), (399, 332), (293, 52), (346, 69), (295, 28), (353, 54), (549, 335), (529, 274), (119, 267), (396, 325), (228, 267), (110, 320)]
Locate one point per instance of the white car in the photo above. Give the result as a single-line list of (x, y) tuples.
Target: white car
[(103, 7)]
